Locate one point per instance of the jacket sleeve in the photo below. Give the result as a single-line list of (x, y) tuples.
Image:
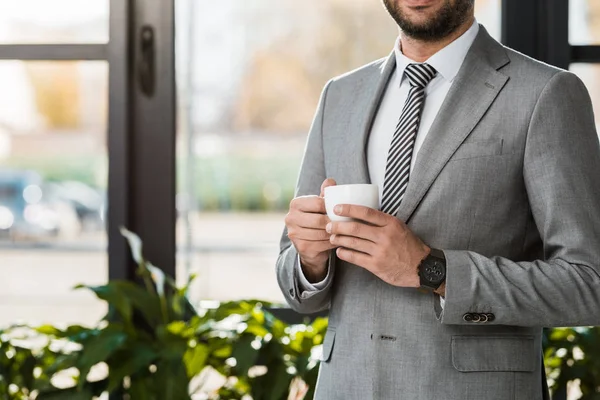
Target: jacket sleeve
[(561, 170), (312, 175)]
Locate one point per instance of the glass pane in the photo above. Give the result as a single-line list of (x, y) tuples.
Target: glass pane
[(242, 132), (53, 171), (584, 22), (56, 21), (590, 75), (489, 14)]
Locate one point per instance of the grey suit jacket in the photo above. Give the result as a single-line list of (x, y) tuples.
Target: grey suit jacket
[(507, 183)]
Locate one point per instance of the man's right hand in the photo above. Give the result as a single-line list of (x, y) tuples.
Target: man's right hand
[(306, 224)]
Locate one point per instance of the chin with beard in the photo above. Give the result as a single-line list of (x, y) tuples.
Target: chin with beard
[(445, 22)]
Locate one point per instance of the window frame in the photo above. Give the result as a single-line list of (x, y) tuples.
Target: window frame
[(540, 29)]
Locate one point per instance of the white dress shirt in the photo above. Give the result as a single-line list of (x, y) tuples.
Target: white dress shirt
[(447, 63)]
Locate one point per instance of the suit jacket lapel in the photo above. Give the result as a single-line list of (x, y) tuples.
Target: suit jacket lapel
[(474, 90), (371, 90)]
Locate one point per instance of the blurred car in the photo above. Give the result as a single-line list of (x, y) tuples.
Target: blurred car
[(88, 203), (32, 208), (23, 213)]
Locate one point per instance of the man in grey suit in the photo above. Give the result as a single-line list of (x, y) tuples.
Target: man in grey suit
[(488, 165)]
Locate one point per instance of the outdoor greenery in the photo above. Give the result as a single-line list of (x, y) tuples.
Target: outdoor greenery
[(82, 169), (245, 183), (153, 345), (223, 183)]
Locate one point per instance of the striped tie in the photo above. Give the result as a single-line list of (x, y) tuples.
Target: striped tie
[(401, 150)]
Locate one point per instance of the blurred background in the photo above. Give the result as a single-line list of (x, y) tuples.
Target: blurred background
[(248, 74)]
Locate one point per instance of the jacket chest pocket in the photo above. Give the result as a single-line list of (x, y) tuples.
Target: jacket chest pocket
[(479, 148)]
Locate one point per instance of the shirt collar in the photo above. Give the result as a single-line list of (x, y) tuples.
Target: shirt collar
[(448, 60)]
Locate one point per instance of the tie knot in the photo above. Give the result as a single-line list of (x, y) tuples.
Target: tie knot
[(420, 74)]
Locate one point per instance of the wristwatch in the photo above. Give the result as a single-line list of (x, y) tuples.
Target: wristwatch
[(432, 270)]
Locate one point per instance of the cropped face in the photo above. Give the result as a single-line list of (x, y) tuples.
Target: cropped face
[(429, 20)]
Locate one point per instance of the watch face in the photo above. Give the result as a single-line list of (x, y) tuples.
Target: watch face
[(432, 271), (435, 272)]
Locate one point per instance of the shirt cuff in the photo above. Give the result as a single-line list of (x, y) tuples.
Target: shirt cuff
[(442, 302), (304, 285)]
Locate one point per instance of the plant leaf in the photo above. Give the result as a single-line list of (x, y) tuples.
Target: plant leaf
[(273, 385), (244, 354), (195, 359), (116, 297), (172, 381), (142, 388), (181, 307), (281, 384), (98, 350), (134, 359), (49, 330), (147, 303), (67, 394), (177, 327), (257, 329), (63, 362), (223, 351), (158, 276), (320, 325), (135, 244), (74, 330), (26, 363)]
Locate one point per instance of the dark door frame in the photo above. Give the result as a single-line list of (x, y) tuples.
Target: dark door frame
[(149, 208), (540, 29)]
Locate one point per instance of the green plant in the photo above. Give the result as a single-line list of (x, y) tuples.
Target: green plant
[(17, 365), (573, 355), (153, 345)]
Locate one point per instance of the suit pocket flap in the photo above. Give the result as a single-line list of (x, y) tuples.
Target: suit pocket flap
[(327, 345), (498, 353), (479, 148)]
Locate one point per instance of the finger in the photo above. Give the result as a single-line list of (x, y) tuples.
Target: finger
[(312, 235), (304, 246), (367, 214), (354, 229), (310, 220), (354, 257), (309, 204), (353, 243), (326, 183)]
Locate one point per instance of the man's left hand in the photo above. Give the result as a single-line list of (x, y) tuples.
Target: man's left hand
[(379, 243)]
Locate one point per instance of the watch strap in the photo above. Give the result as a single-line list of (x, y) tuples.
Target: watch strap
[(437, 254)]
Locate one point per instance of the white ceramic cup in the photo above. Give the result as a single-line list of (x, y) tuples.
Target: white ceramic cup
[(358, 194)]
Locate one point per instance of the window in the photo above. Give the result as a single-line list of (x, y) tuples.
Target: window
[(57, 21), (584, 30), (590, 75), (53, 171), (584, 22)]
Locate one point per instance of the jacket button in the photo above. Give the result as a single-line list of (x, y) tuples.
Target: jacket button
[(468, 317), (483, 318), (490, 317), (476, 317)]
